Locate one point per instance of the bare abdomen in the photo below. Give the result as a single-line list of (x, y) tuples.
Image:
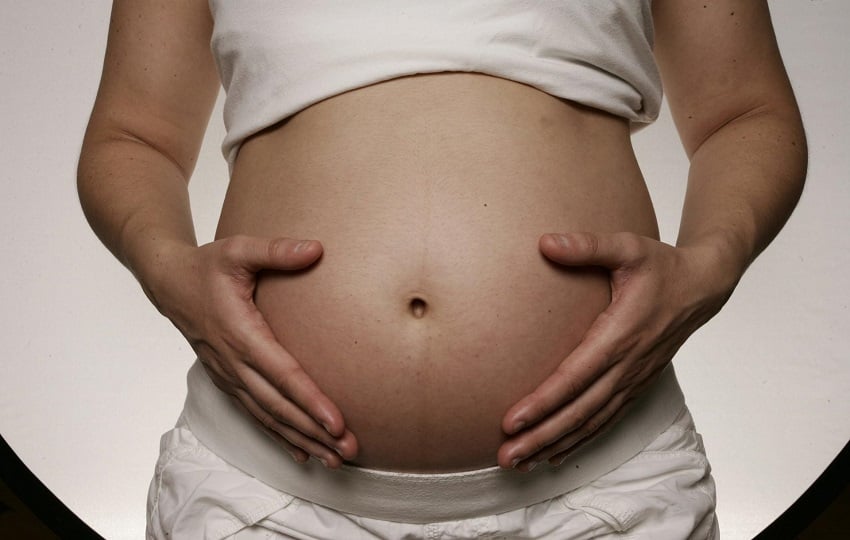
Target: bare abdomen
[(431, 310)]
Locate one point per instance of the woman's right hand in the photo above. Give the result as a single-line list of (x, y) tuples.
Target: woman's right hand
[(208, 293)]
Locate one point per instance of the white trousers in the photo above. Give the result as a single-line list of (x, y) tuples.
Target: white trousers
[(664, 492)]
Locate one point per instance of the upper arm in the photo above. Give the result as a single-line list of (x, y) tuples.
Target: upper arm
[(159, 79), (719, 61)]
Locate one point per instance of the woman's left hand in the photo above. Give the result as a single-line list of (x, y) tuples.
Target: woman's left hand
[(660, 295)]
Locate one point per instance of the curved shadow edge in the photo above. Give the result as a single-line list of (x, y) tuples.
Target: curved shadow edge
[(43, 503), (807, 508)]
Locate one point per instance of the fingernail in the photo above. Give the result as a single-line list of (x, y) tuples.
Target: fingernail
[(519, 426), (300, 246), (532, 465), (515, 462), (562, 240), (323, 462)]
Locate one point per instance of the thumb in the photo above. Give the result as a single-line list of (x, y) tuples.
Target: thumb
[(609, 250), (256, 254)]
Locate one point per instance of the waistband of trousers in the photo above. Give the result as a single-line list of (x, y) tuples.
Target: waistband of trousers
[(232, 434)]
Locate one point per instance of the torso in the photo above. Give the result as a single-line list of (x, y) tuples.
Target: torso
[(432, 311)]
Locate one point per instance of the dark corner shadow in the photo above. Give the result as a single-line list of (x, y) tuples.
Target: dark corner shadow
[(809, 506), (43, 503)]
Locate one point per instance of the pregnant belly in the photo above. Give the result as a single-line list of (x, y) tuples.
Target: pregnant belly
[(431, 310)]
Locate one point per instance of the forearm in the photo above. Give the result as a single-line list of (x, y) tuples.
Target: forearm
[(136, 200), (743, 184), (738, 120)]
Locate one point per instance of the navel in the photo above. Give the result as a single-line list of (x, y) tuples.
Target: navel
[(417, 307)]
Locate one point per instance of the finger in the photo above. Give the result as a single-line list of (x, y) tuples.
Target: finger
[(601, 423), (300, 447), (288, 378), (251, 340), (245, 403), (288, 415), (574, 421), (230, 384), (256, 254), (291, 439), (268, 358), (328, 458), (609, 250), (555, 454), (599, 349)]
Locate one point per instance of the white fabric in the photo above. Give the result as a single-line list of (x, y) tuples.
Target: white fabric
[(275, 58), (235, 436), (666, 492)]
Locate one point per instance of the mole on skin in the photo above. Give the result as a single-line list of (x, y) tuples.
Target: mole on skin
[(418, 307)]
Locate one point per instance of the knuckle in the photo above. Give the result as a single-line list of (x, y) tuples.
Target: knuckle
[(268, 423), (276, 248), (592, 425), (240, 376), (241, 337), (540, 407), (575, 417), (230, 248), (632, 245), (281, 416), (568, 386), (286, 376), (591, 243), (609, 356), (537, 445), (266, 419), (233, 247), (630, 378)]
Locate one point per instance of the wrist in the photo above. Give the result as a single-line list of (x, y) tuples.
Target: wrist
[(158, 264), (722, 258)]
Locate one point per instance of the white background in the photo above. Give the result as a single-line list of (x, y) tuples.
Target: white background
[(92, 375)]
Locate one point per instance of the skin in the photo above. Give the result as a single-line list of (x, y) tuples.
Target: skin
[(739, 124)]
